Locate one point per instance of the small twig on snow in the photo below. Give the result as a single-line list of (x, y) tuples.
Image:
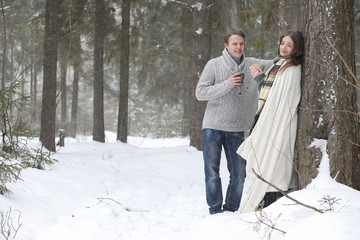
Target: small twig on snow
[(272, 225)]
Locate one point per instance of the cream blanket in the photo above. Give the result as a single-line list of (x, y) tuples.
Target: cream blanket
[(269, 149)]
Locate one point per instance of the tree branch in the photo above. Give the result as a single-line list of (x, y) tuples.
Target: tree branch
[(285, 194), (210, 6), (343, 60), (187, 5), (328, 68), (180, 3), (333, 110)]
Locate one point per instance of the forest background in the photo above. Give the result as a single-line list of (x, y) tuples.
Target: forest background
[(159, 62), (131, 67)]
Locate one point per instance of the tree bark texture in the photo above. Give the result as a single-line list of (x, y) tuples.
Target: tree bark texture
[(328, 108), (201, 46), (48, 109), (98, 112), (124, 72)]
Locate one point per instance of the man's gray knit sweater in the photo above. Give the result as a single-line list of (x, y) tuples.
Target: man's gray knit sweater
[(226, 109)]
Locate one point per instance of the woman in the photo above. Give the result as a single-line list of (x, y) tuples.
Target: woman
[(269, 148)]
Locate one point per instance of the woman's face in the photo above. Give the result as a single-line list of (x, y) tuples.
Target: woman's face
[(286, 46)]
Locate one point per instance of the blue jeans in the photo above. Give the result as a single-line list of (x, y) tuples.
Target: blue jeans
[(214, 140)]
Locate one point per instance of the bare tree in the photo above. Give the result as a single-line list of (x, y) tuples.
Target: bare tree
[(122, 130), (98, 113), (48, 110), (328, 108)]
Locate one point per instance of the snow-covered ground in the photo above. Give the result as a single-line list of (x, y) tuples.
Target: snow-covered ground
[(153, 189)]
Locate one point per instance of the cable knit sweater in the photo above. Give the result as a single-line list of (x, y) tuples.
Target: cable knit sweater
[(226, 109)]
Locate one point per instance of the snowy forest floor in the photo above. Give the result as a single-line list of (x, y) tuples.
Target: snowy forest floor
[(153, 189)]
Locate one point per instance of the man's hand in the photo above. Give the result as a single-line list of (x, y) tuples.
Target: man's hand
[(237, 79)]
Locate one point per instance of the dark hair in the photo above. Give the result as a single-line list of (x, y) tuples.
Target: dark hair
[(296, 56), (233, 31)]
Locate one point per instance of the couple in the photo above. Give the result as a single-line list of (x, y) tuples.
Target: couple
[(234, 105)]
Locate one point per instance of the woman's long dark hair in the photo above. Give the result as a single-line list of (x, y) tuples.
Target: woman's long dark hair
[(296, 56)]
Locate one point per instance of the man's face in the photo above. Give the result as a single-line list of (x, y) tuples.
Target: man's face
[(236, 46)]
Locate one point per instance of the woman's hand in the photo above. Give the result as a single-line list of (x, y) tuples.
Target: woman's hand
[(254, 72)]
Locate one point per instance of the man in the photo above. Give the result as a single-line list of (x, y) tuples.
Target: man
[(232, 103)]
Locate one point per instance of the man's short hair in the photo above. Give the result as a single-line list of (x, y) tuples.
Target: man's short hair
[(233, 31)]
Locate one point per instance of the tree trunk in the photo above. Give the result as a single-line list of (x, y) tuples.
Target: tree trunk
[(234, 14), (328, 108), (201, 45), (98, 113), (285, 16), (74, 103), (4, 46), (290, 15), (122, 130), (79, 6), (48, 110), (63, 92), (36, 68), (34, 99)]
